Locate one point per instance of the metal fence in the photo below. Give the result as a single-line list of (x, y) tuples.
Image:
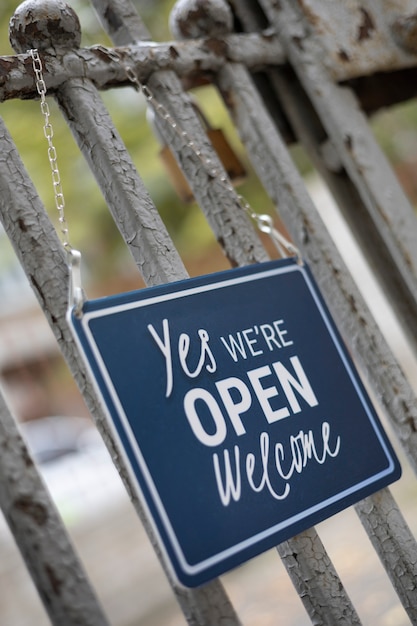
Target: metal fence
[(287, 71)]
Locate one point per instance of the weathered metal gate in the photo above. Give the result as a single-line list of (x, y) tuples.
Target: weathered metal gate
[(306, 71)]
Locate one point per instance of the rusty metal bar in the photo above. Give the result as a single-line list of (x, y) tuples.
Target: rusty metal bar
[(39, 251), (359, 37), (394, 544), (187, 59), (41, 535), (27, 506), (346, 126), (316, 581), (43, 259), (126, 196), (155, 255), (229, 223), (311, 134)]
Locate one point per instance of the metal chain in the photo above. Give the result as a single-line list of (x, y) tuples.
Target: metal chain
[(76, 292), (52, 155), (165, 115), (263, 221)]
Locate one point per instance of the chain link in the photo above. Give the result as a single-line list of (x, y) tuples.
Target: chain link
[(52, 154), (165, 115)]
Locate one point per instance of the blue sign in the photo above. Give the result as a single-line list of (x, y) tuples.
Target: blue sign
[(238, 408)]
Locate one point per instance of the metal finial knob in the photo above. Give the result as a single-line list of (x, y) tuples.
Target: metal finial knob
[(190, 19), (44, 25)]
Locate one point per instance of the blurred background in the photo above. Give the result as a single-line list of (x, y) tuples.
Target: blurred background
[(45, 400)]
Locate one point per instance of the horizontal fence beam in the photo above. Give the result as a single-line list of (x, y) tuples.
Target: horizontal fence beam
[(103, 67)]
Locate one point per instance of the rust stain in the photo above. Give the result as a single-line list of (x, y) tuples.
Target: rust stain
[(222, 244), (112, 18), (407, 259), (312, 17), (187, 24), (22, 225), (173, 52), (343, 56), (268, 34), (35, 510), (37, 289), (55, 581), (27, 459), (366, 27), (217, 46), (101, 53), (299, 42), (352, 304), (348, 141), (305, 237), (7, 65), (411, 423), (307, 228), (229, 100)]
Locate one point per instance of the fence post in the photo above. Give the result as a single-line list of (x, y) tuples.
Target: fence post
[(40, 534)]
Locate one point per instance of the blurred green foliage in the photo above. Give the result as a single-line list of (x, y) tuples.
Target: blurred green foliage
[(396, 131)]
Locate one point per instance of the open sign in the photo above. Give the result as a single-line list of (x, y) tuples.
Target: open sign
[(238, 409)]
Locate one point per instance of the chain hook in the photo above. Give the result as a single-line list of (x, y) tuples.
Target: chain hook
[(265, 224), (76, 292)]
